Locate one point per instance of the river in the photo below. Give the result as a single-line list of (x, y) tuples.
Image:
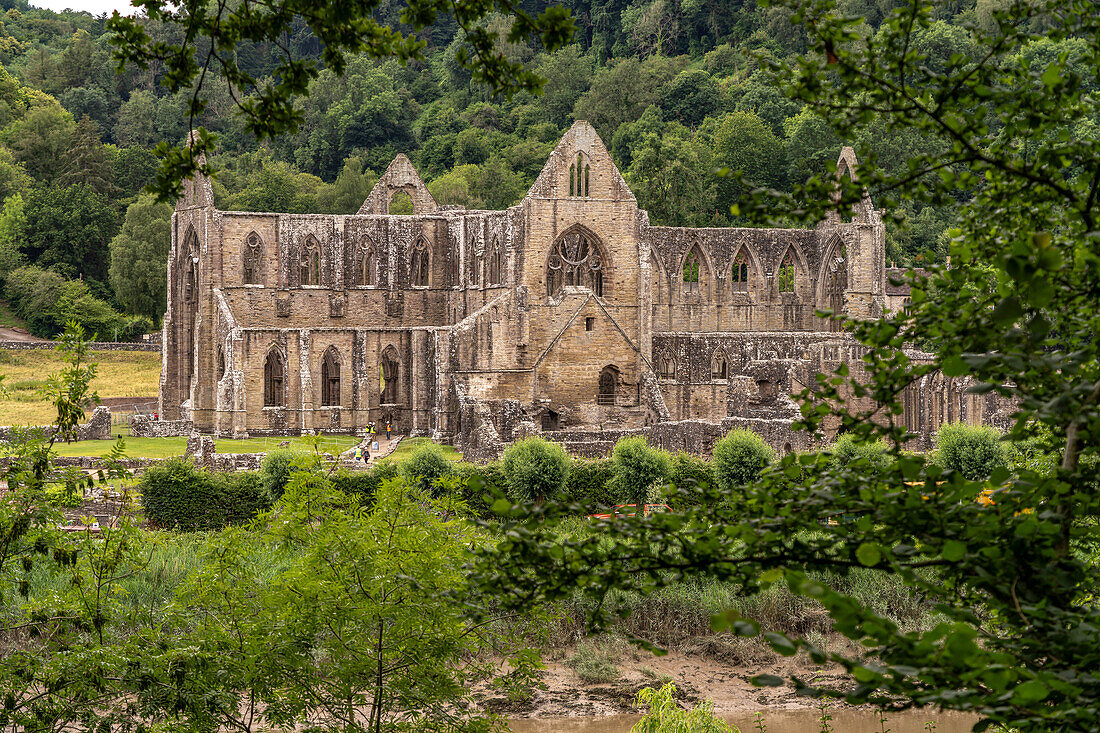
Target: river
[(777, 721)]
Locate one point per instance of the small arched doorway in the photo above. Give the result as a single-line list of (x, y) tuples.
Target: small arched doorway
[(608, 385), (390, 369)]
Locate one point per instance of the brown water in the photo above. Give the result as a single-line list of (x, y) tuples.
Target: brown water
[(777, 721)]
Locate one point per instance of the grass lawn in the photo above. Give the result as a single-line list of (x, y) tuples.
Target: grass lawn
[(121, 374), (408, 445), (168, 447)]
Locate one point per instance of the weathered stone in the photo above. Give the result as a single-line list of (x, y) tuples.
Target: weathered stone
[(567, 314)]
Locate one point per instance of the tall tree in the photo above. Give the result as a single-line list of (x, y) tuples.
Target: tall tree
[(70, 228), (139, 256)]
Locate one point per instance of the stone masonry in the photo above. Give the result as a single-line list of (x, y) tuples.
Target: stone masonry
[(567, 314)]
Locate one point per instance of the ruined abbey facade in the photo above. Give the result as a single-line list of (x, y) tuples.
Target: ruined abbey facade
[(567, 314)]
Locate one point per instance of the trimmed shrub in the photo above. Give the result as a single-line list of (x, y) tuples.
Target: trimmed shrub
[(490, 481), (241, 496), (276, 469), (847, 450), (740, 458), (427, 464), (176, 494), (690, 475), (590, 482), (536, 469), (638, 468), (971, 450)]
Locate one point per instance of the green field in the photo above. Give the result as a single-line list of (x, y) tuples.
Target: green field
[(407, 446), (120, 374), (168, 447)]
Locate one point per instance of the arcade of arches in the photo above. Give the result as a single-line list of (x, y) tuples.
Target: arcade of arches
[(567, 314)]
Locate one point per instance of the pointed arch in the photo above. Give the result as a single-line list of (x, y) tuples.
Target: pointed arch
[(666, 366), (330, 378), (791, 272), (252, 258), (309, 261), (832, 279), (696, 272), (608, 385), (495, 264), (274, 379), (367, 263), (744, 270), (389, 376), (577, 258), (420, 263), (580, 171), (719, 365)]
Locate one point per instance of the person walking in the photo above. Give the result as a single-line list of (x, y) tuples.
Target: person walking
[(358, 455), (389, 429)]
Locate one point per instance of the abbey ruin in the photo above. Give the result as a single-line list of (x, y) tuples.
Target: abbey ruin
[(567, 314)]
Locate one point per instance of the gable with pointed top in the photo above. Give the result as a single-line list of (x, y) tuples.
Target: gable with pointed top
[(399, 176), (581, 168), (197, 192)]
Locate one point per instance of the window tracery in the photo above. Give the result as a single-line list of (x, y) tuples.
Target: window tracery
[(330, 379), (785, 275), (719, 366), (691, 272), (496, 265), (273, 380), (366, 263), (739, 273), (309, 262), (574, 261), (419, 264), (253, 259)]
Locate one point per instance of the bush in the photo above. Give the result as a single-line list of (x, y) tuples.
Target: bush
[(847, 450), (972, 451), (740, 458), (177, 494), (666, 715), (276, 469), (596, 661), (591, 482), (638, 468), (427, 464), (690, 475), (490, 480), (536, 469)]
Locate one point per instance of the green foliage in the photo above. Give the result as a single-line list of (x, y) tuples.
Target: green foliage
[(690, 476), (536, 469), (70, 228), (664, 714), (47, 301), (139, 258), (276, 468), (592, 483), (639, 467), (178, 495), (596, 661), (427, 464), (973, 451), (739, 459), (848, 450)]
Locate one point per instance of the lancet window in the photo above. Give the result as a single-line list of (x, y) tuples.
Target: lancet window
[(784, 277), (309, 262), (691, 272), (253, 259), (419, 264), (739, 273), (495, 265), (273, 380), (330, 379)]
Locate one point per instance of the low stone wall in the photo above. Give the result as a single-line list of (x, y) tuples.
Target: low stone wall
[(144, 426), (98, 427), (92, 346)]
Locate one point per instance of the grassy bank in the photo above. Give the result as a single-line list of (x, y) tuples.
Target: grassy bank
[(168, 447), (121, 374)]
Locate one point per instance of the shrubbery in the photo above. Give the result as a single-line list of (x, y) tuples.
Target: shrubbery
[(847, 450), (590, 483), (740, 458), (427, 464), (638, 468), (971, 450), (46, 300), (178, 495), (276, 469), (536, 469)]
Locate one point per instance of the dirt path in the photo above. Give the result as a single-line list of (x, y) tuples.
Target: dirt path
[(11, 334)]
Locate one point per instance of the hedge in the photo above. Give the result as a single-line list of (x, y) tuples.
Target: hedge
[(178, 495)]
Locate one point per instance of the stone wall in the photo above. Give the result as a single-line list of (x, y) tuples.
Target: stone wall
[(92, 346), (144, 426), (98, 427)]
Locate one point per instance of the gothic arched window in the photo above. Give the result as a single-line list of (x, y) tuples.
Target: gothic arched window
[(719, 367), (579, 174), (666, 367), (419, 263), (496, 265), (253, 259), (609, 382), (739, 273), (330, 378), (309, 262), (388, 376), (784, 277), (574, 260), (273, 380), (366, 263), (691, 272)]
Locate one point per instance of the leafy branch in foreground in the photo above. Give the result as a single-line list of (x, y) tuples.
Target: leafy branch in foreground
[(211, 32), (1015, 582)]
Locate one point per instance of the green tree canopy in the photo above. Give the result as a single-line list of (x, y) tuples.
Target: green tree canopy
[(139, 256)]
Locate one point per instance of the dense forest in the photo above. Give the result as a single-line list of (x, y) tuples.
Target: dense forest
[(674, 88)]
